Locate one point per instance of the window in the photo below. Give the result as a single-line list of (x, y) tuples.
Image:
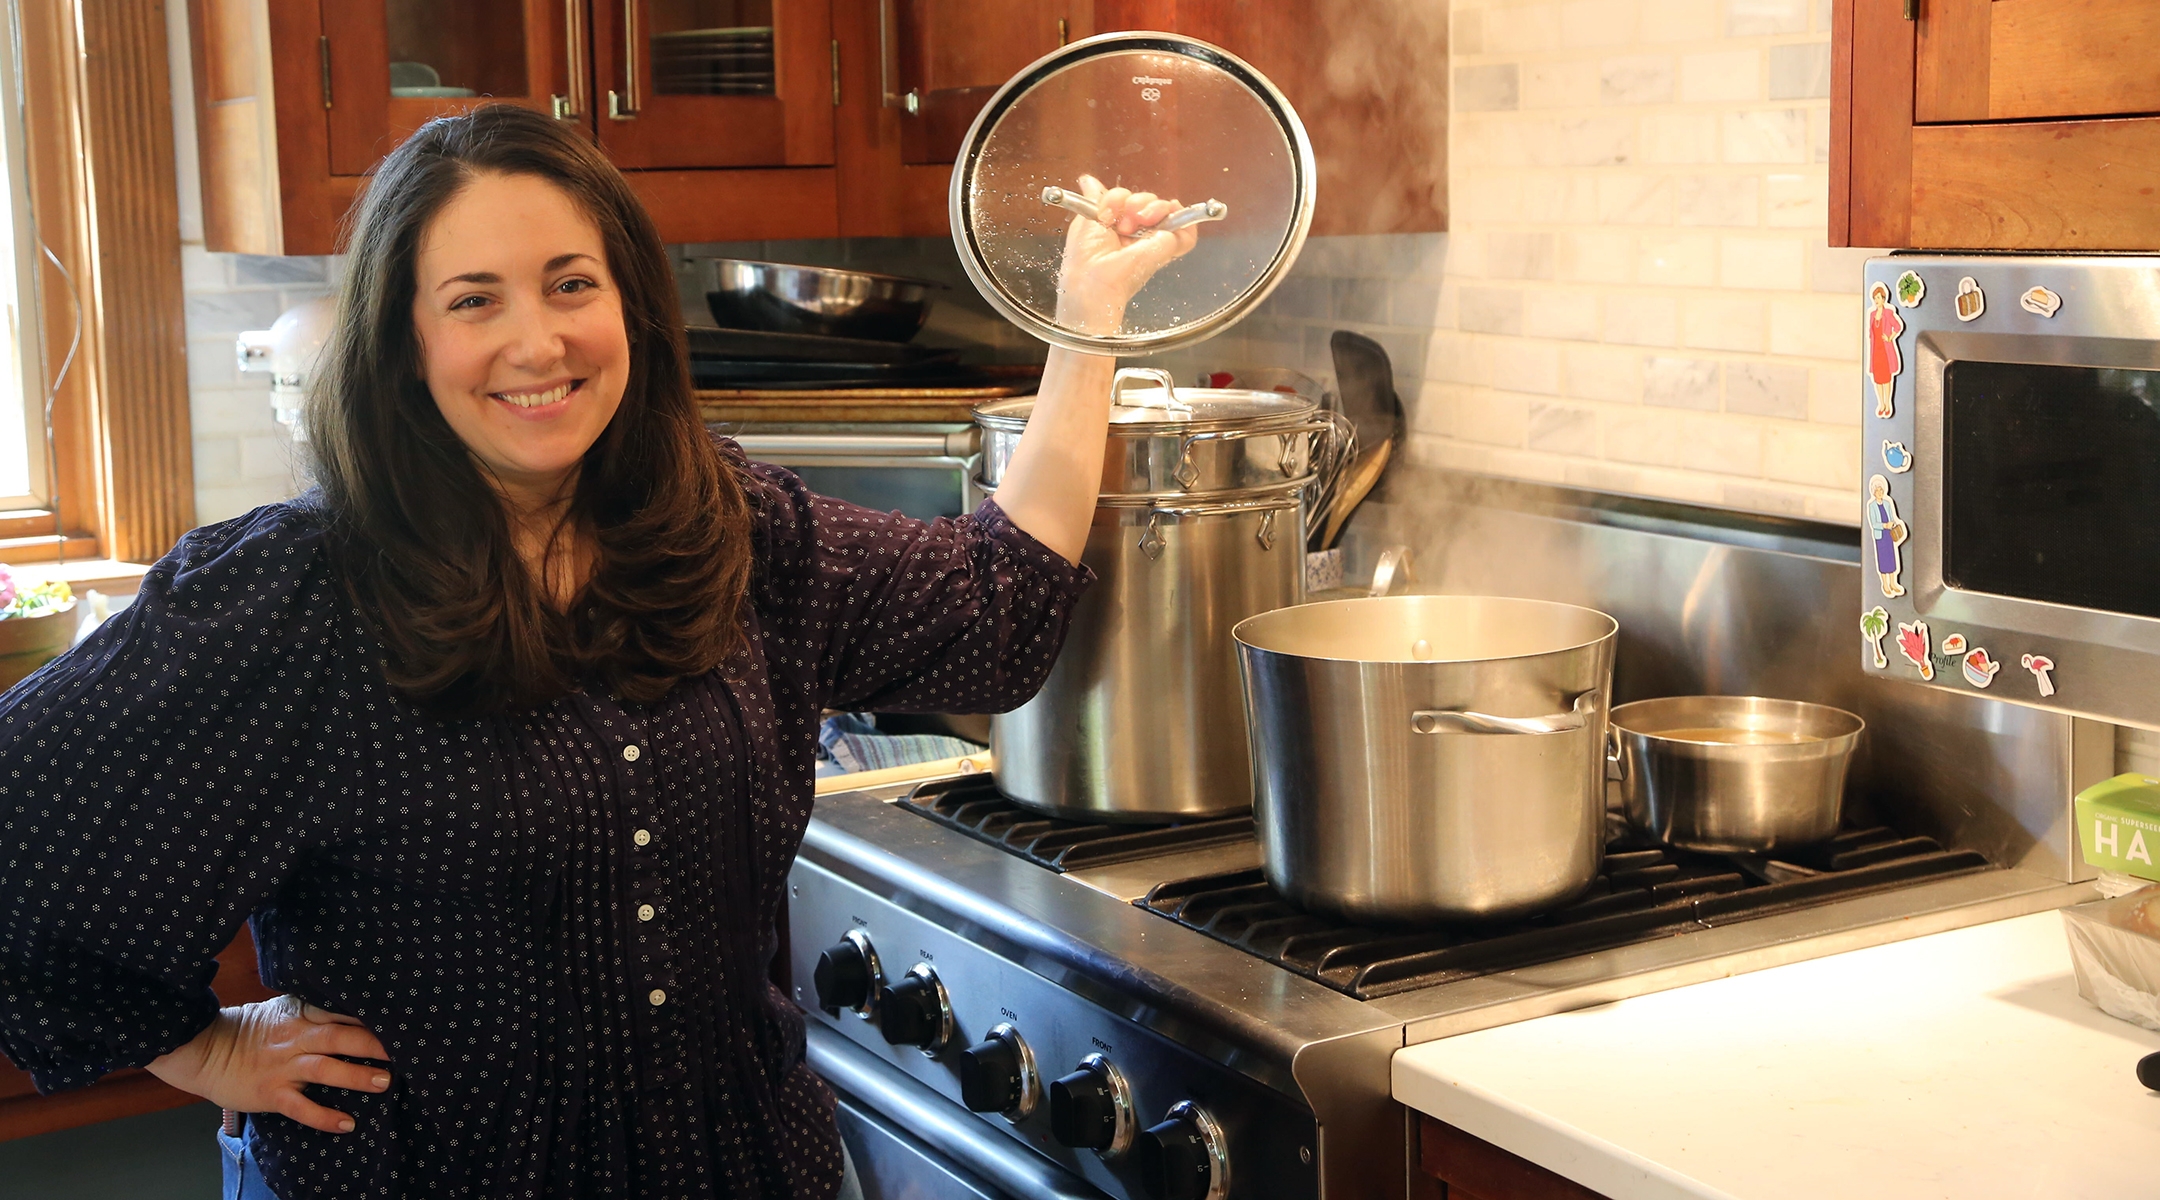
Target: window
[(24, 463)]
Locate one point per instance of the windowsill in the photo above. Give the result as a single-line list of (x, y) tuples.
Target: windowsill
[(102, 574)]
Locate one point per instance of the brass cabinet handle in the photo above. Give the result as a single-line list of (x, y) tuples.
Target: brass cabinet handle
[(624, 105), (571, 104)]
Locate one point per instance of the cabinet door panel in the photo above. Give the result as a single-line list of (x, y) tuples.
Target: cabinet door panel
[(953, 55), (1996, 60), (393, 65), (714, 83)]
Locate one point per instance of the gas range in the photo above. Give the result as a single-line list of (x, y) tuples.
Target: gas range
[(1041, 1007)]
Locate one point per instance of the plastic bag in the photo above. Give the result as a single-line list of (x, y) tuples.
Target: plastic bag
[(2115, 950)]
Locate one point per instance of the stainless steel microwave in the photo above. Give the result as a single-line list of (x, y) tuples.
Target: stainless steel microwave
[(2011, 479)]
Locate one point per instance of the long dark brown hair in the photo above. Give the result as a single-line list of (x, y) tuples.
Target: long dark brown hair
[(418, 532)]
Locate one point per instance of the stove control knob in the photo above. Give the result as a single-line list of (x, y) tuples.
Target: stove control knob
[(916, 1011), (1091, 1109), (847, 975), (997, 1075), (1184, 1157)]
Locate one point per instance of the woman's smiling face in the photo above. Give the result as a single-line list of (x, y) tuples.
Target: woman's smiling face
[(521, 330)]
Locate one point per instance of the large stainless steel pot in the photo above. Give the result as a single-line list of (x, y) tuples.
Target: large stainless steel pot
[(1200, 524), (1429, 758), (1733, 774)]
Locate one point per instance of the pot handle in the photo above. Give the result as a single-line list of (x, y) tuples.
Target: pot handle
[(1615, 762), (1449, 720)]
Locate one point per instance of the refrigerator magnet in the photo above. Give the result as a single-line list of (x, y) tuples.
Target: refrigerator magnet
[(1884, 361), (2042, 672), (2040, 302), (1911, 290), (1953, 646), (1912, 642), (1971, 301), (1874, 625), (1979, 668), (1886, 533), (1896, 457)]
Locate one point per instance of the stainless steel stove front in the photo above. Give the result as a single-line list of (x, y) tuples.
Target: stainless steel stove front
[(1295, 1074)]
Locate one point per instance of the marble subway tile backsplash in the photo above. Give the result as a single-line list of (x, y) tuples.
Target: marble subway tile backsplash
[(1644, 300)]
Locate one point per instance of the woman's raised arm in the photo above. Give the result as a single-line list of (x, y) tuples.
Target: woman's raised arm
[(1050, 485)]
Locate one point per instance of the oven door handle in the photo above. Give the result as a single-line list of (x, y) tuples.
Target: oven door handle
[(941, 1124), (826, 445)]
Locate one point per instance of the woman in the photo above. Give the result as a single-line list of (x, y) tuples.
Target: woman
[(504, 735), (1884, 361)]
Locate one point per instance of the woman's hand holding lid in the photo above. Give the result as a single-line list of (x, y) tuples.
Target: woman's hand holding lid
[(258, 1057), (1108, 261)]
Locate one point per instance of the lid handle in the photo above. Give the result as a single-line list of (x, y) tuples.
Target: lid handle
[(1071, 201), (1155, 375)]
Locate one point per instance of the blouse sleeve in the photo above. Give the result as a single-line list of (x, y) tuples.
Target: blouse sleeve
[(896, 614), (153, 792)]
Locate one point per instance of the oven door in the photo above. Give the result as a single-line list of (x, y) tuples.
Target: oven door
[(908, 1141), (2010, 479), (925, 471)]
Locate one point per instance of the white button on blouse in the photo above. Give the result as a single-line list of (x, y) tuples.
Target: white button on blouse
[(657, 997), (641, 837), (630, 753), (644, 912)]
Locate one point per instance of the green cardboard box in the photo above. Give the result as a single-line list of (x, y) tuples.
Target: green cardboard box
[(2119, 825)]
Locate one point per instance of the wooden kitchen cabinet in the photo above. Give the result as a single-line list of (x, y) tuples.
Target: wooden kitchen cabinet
[(944, 59), (24, 1113), (714, 83), (1474, 1169), (765, 119), (1996, 125), (390, 66)]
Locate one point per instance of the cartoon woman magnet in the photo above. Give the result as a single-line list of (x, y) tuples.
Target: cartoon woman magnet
[(1884, 361), (1886, 532), (1874, 625)]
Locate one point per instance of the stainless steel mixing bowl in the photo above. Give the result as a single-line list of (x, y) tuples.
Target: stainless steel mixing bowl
[(786, 298)]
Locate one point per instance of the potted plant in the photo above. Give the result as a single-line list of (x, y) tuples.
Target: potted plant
[(36, 623)]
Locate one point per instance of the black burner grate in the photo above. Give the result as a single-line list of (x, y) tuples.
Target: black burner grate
[(973, 805), (1646, 892)]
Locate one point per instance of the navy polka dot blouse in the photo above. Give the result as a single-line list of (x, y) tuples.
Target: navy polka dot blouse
[(558, 922)]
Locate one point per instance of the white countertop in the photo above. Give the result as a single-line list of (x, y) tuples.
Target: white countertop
[(1961, 1065)]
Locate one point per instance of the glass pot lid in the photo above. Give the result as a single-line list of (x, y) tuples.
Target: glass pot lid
[(1148, 112)]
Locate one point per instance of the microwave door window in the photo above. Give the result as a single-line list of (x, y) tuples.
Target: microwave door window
[(2052, 484)]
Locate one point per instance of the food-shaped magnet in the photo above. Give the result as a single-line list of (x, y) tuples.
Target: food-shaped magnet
[(1886, 532), (1884, 360), (1912, 642), (1896, 457), (1980, 669), (1874, 625), (1954, 645), (1971, 301), (2041, 669), (2040, 302), (1911, 290)]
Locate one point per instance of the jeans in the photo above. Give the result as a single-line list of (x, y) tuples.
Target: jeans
[(244, 1181)]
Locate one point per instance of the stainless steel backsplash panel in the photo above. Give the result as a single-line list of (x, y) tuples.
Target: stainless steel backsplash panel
[(1715, 602)]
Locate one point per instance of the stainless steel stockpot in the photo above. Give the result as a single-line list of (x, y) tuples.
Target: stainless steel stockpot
[(1139, 721), (1429, 758), (1779, 785)]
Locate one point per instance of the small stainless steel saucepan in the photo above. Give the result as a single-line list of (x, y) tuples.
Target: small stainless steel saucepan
[(1732, 774)]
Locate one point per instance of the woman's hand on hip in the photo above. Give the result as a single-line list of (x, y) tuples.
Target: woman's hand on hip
[(258, 1057)]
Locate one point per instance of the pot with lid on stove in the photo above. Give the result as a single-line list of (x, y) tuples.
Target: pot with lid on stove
[(1201, 517)]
